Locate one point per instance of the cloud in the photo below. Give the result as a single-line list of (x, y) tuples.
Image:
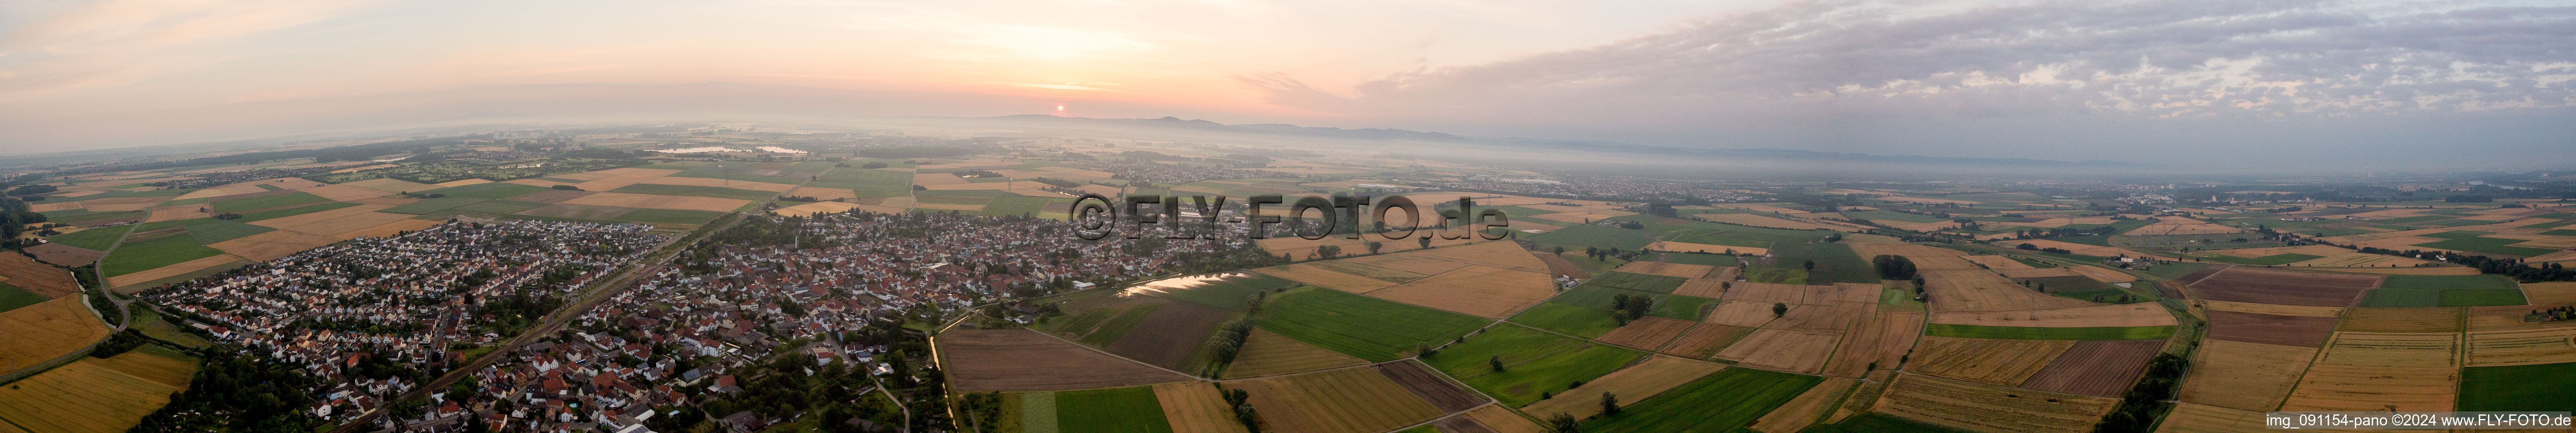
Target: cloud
[(116, 42)]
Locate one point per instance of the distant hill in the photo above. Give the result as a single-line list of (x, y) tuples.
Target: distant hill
[(1590, 146)]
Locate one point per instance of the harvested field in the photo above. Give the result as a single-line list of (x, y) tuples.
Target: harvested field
[(175, 213), (1907, 250), (2270, 328), (1828, 318), (1269, 354), (2202, 274), (1196, 407), (1793, 351), (1647, 333), (619, 178), (2036, 272), (1705, 340), (1742, 313), (2539, 293), (181, 268), (1667, 269), (1997, 262), (342, 192), (390, 185), (1707, 248), (2096, 368), (1977, 290), (39, 278), (1500, 420), (1559, 266), (2103, 274), (272, 245), (823, 193), (2272, 286), (2082, 249), (65, 255), (2361, 388), (1705, 288), (2139, 314), (1948, 262), (809, 209), (40, 332), (1430, 385), (551, 196), (2446, 320), (391, 229), (716, 204), (1584, 217), (122, 204), (2283, 310), (2247, 376), (1775, 292), (337, 228), (1024, 360), (2383, 349), (1350, 400), (1987, 408), (1800, 412), (2201, 418), (2509, 318), (580, 212), (1633, 384), (1993, 362), (93, 395), (1883, 340), (286, 222), (1177, 330), (1762, 221), (2522, 347), (1310, 274), (1477, 290), (720, 183)]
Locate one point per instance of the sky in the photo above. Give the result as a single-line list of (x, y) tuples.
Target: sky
[(2170, 81)]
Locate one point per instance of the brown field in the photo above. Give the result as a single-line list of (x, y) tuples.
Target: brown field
[(1477, 290), (49, 329), (1761, 221), (2247, 376), (50, 207), (1647, 333), (2103, 274), (2283, 310), (1702, 341), (1867, 251), (93, 395), (1993, 362), (390, 229), (2403, 319), (1584, 217), (1711, 248), (1829, 318), (2429, 270), (714, 182), (2036, 272), (393, 185), (2363, 388), (65, 255), (342, 192), (1949, 262), (660, 201), (2509, 318), (1025, 360), (272, 245), (1742, 313), (2273, 286), (1633, 384), (2385, 349), (2358, 260), (1178, 329), (319, 217), (928, 179), (2139, 314), (574, 211), (551, 196), (1997, 262), (175, 213), (823, 193), (1703, 287), (1771, 292), (1350, 400), (220, 191), (181, 268), (619, 178), (1987, 408), (1500, 254), (1500, 420), (2538, 293), (2313, 250), (2089, 250), (338, 228), (1430, 385), (2182, 226), (2522, 347), (1976, 290), (1268, 354), (122, 204), (1196, 407), (39, 278), (2270, 328), (1802, 411), (1792, 351), (2096, 368), (1310, 274), (1667, 269), (2201, 418), (1880, 341), (810, 209)]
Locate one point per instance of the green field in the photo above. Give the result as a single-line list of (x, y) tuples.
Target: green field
[(12, 297), (264, 202), (1577, 237), (1667, 306), (1114, 410), (503, 207), (2401, 298), (1514, 343), (1228, 294), (1879, 423), (867, 183), (2275, 259), (95, 239), (435, 205), (1369, 328), (1003, 206), (2483, 298), (159, 251), (696, 191), (734, 171), (1722, 402), (215, 230), (486, 190), (1638, 282), (2488, 245), (2537, 387), (1700, 259), (1833, 260), (84, 217), (1775, 275), (293, 211), (2033, 333), (670, 216), (1568, 319), (2094, 240), (1523, 383), (2448, 282), (2173, 270)]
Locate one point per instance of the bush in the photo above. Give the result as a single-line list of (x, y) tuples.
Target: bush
[(568, 187)]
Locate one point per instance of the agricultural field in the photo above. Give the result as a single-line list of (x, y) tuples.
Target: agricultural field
[(1730, 399), (1988, 408), (1360, 326), (2046, 333), (1024, 360), (1194, 407), (1112, 410), (2517, 387), (2282, 287), (97, 395), (1349, 400)]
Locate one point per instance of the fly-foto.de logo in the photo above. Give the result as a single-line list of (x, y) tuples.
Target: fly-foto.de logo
[(1313, 217)]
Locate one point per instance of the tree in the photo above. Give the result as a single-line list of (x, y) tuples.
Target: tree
[(1328, 251), (1560, 250), (1497, 361), (1609, 404), (1425, 240), (873, 165), (1563, 423), (1779, 309), (568, 187), (1810, 264), (1373, 246)]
